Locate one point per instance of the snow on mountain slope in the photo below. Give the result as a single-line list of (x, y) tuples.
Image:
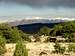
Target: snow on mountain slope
[(30, 20)]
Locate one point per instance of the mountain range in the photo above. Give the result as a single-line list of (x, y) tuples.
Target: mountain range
[(38, 20), (33, 25)]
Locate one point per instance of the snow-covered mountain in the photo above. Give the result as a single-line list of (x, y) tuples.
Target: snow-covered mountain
[(30, 20), (39, 20)]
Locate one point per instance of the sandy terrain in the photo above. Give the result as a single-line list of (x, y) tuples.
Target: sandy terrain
[(36, 49)]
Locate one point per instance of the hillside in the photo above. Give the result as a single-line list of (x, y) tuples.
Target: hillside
[(35, 27)]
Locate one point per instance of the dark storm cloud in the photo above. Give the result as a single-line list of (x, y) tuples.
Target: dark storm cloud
[(50, 3)]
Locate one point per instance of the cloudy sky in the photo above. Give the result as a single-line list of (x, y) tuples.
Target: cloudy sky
[(37, 8)]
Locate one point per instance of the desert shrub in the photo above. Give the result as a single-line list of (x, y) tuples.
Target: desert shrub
[(63, 29), (12, 34), (20, 49), (42, 53), (47, 40), (2, 45), (58, 48), (44, 31), (70, 37), (25, 37), (71, 48), (37, 39)]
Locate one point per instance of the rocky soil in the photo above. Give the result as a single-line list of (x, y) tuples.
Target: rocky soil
[(37, 49)]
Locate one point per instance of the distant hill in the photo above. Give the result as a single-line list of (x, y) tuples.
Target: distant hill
[(33, 28), (33, 25), (33, 21)]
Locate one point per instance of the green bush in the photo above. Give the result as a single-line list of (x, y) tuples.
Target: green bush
[(12, 34), (71, 48), (25, 37), (58, 48), (63, 29), (20, 50), (44, 31), (2, 45)]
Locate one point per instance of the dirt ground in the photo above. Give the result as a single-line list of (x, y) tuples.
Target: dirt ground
[(36, 49)]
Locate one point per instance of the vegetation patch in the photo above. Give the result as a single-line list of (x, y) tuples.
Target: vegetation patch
[(2, 45), (20, 50)]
